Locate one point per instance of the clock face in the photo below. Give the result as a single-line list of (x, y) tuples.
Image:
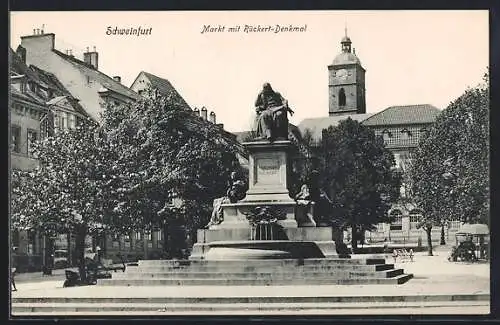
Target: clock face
[(342, 74)]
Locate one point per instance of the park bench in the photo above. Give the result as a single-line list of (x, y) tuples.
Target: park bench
[(403, 255)]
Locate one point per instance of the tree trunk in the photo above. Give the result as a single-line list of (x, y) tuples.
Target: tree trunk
[(429, 240), (354, 237), (81, 233), (443, 242), (68, 242), (165, 239)]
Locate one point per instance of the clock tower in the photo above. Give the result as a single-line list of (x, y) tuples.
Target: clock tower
[(346, 82)]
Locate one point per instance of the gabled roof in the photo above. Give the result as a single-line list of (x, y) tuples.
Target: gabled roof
[(105, 80), (164, 87), (316, 125), (28, 96), (55, 84), (408, 114)]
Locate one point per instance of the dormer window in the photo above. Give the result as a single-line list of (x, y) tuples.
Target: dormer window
[(406, 133), (32, 86), (386, 134)]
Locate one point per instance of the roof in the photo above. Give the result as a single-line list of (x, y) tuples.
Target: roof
[(164, 87), (409, 114), (346, 58), (105, 80), (316, 125), (346, 39), (28, 95), (52, 80)]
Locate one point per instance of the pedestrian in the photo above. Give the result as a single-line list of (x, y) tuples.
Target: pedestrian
[(12, 281)]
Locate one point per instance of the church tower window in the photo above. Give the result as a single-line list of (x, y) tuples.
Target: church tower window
[(341, 97)]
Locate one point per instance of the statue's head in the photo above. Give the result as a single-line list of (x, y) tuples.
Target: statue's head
[(267, 88)]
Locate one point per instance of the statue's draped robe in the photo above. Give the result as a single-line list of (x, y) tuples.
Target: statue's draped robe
[(235, 193), (271, 123)]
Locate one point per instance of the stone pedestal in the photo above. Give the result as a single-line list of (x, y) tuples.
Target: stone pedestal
[(268, 185)]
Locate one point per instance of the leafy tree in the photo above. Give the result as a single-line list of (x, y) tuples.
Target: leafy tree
[(451, 170), (65, 193), (357, 173), (162, 151)]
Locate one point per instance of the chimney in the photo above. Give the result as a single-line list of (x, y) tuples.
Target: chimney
[(204, 113), (91, 58), (71, 53), (21, 51), (196, 111), (37, 42), (117, 79), (212, 117), (354, 51)]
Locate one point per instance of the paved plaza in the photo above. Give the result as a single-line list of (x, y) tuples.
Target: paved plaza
[(434, 277)]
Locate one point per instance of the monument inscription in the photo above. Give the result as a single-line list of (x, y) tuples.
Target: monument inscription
[(268, 171)]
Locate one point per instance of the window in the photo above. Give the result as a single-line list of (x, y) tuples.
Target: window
[(64, 120), (415, 217), (138, 235), (397, 223), (32, 138), (71, 121), (57, 122), (148, 236), (386, 134), (140, 92), (341, 97), (16, 138), (405, 134)]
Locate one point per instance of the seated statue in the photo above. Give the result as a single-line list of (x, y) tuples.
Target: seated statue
[(235, 192), (304, 212), (272, 115)]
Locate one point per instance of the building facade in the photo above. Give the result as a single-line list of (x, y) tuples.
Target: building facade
[(39, 106)]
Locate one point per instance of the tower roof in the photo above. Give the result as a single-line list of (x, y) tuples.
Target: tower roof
[(346, 58), (346, 39)]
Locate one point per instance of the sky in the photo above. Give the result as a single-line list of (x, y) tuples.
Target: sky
[(410, 57)]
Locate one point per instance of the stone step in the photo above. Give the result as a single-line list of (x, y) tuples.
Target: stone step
[(203, 307), (283, 262), (283, 274), (257, 268), (192, 300), (383, 312), (399, 279)]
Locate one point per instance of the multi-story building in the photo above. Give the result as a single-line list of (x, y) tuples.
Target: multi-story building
[(39, 105), (81, 78)]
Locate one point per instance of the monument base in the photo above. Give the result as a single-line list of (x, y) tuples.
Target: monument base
[(322, 237), (262, 250)]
